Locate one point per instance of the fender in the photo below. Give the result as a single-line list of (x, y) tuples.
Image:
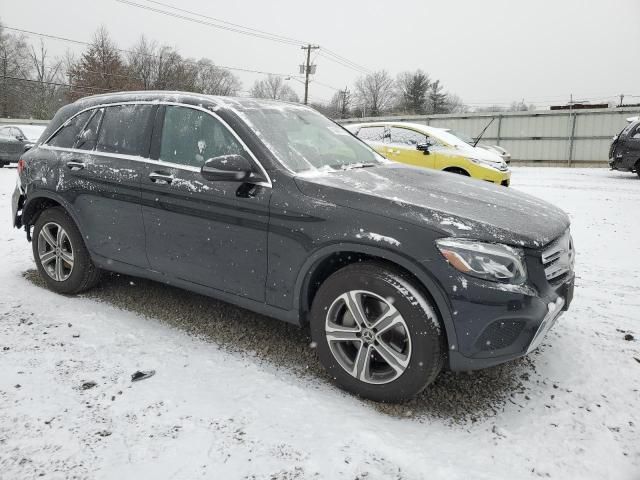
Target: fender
[(30, 200), (427, 280)]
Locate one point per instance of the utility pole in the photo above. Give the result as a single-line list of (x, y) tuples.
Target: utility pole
[(345, 99), (307, 70)]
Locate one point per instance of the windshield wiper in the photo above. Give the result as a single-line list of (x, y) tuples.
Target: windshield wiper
[(358, 165)]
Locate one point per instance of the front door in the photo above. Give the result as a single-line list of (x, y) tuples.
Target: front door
[(210, 233), (403, 143)]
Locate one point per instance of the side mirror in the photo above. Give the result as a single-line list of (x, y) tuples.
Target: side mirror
[(227, 168), (424, 147), (27, 147), (21, 138)]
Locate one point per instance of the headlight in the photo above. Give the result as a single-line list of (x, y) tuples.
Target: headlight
[(489, 261), (488, 163)]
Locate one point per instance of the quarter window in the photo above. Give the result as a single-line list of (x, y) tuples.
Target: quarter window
[(190, 136), (88, 138), (406, 137), (372, 134), (125, 130), (66, 136)]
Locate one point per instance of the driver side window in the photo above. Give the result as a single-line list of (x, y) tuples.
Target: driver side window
[(407, 138), (190, 137)]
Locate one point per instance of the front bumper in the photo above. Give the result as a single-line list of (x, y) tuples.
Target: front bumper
[(622, 163), (494, 326)]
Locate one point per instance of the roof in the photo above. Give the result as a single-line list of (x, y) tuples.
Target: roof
[(178, 97), (414, 126)]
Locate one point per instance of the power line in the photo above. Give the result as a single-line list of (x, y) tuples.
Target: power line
[(79, 42), (237, 28), (242, 30), (275, 36), (58, 84)]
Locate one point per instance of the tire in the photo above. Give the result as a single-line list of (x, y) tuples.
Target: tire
[(416, 337), (69, 269)]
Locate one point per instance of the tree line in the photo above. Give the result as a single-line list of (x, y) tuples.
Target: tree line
[(34, 84)]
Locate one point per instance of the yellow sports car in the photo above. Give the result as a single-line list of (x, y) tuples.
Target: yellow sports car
[(432, 147)]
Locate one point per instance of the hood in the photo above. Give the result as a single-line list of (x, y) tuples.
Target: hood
[(479, 153), (455, 205)]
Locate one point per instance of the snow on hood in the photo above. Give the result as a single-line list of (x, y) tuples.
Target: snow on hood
[(452, 204)]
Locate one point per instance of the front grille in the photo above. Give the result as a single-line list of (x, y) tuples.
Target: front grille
[(500, 334), (558, 258)]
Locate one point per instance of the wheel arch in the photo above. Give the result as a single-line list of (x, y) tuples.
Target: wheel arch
[(458, 170), (36, 204), (329, 259)]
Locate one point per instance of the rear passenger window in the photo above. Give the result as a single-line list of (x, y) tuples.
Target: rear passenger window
[(372, 134), (88, 138), (66, 136), (125, 130), (189, 137)]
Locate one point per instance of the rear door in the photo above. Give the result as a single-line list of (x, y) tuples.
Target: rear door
[(100, 176), (210, 233)]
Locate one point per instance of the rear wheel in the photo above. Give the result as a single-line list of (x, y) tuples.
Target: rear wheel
[(638, 168), (376, 334), (60, 253)]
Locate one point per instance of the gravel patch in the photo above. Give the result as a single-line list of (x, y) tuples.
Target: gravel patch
[(458, 397)]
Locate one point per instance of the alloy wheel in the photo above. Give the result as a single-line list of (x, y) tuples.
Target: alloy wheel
[(368, 337), (55, 251)]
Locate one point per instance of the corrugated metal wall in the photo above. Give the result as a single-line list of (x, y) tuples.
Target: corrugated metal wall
[(561, 136)]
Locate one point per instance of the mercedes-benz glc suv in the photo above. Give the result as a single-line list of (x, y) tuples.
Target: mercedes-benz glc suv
[(398, 271)]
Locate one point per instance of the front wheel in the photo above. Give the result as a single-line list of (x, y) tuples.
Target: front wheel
[(376, 333), (60, 253)]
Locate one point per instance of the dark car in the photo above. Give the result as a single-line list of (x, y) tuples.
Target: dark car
[(16, 139), (398, 271), (624, 153)]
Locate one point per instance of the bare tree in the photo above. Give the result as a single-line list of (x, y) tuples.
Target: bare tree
[(214, 80), (375, 92), (412, 91), (454, 104), (274, 88), (46, 93), (14, 68), (142, 63)]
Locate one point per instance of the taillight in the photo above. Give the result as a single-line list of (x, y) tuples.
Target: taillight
[(21, 165)]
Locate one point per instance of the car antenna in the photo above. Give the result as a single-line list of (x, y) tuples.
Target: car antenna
[(482, 132)]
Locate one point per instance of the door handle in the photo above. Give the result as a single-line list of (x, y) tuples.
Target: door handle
[(73, 165), (161, 178)]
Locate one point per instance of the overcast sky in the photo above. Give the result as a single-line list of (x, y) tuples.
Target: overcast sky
[(492, 51)]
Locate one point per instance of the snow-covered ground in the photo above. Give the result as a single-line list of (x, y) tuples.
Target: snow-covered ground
[(224, 404)]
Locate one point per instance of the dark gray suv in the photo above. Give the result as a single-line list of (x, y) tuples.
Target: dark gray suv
[(398, 271)]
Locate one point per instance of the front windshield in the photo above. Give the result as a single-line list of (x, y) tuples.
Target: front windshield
[(304, 140), (462, 136)]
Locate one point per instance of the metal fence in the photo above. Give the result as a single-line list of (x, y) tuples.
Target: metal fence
[(558, 137)]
